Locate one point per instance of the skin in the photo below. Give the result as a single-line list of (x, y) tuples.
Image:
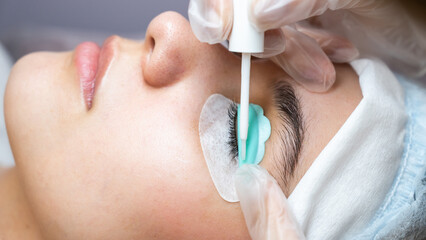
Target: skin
[(132, 167)]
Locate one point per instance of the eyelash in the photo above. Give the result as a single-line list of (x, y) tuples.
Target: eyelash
[(232, 142)]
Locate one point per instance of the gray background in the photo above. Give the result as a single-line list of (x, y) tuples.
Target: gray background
[(54, 25), (118, 16)]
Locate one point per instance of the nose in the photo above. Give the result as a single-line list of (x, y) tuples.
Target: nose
[(171, 49)]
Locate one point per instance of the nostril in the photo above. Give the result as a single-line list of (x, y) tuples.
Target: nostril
[(170, 48), (150, 41)]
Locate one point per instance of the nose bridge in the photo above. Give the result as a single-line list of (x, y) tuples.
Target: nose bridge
[(171, 49)]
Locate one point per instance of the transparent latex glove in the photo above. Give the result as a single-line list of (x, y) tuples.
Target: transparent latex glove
[(378, 28), (265, 208), (307, 56)]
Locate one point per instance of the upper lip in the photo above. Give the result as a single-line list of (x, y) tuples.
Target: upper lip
[(108, 51)]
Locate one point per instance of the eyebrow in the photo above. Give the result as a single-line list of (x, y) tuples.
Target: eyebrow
[(290, 130)]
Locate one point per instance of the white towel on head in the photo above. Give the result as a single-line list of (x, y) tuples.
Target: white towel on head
[(6, 158), (346, 184)]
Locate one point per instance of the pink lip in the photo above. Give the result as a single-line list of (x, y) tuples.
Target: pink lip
[(92, 63)]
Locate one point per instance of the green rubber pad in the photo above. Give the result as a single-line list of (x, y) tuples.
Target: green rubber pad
[(259, 130)]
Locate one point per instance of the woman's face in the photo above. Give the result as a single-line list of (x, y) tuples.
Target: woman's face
[(131, 166)]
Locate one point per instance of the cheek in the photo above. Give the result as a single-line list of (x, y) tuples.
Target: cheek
[(40, 96), (161, 179), (162, 186), (147, 175)]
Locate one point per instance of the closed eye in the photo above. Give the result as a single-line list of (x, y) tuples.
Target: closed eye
[(232, 140)]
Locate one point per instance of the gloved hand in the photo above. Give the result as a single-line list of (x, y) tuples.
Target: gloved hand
[(378, 28), (264, 205), (303, 59)]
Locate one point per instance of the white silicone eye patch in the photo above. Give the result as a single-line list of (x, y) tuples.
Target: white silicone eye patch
[(214, 137)]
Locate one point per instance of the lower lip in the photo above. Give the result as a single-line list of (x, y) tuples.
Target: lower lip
[(92, 63), (86, 59)]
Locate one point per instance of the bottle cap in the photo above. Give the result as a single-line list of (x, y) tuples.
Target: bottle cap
[(244, 37)]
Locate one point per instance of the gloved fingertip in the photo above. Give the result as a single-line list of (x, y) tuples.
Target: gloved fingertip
[(322, 81), (337, 48), (328, 80), (342, 55), (271, 14), (268, 14), (274, 44), (246, 172), (305, 61), (211, 21), (242, 172), (316, 78), (250, 178)]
